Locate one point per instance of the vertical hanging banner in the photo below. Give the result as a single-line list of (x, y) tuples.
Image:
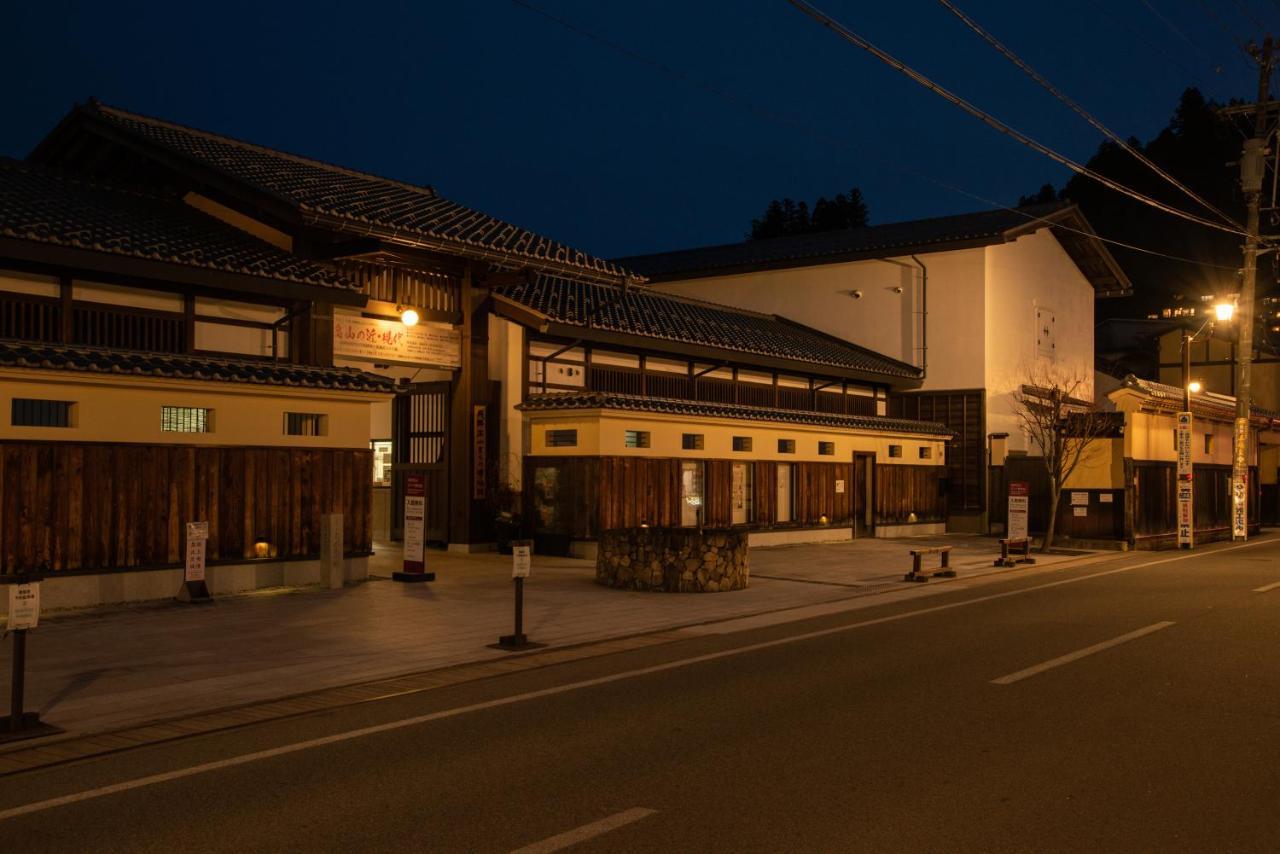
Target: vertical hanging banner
[(1186, 503), (1019, 503), (1240, 481)]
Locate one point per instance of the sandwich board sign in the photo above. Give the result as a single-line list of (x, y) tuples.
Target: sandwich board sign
[(1019, 502)]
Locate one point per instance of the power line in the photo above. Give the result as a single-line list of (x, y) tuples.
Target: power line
[(1080, 111), (795, 122), (990, 120)]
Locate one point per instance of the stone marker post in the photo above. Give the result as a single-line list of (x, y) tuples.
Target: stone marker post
[(332, 569)]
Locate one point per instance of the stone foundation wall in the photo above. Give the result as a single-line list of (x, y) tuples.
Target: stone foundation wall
[(673, 560)]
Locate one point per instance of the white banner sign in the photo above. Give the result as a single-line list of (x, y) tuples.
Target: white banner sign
[(521, 561), (197, 538), (374, 340), (24, 606)]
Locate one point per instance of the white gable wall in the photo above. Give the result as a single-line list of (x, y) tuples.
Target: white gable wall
[(1030, 273)]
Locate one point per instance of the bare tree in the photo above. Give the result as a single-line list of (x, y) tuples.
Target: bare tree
[(1057, 414)]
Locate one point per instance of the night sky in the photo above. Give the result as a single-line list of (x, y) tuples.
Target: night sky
[(503, 110)]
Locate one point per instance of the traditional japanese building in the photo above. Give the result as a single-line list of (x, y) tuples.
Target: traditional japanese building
[(978, 302), (253, 338)]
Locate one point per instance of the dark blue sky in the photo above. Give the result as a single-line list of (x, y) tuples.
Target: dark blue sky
[(503, 110)]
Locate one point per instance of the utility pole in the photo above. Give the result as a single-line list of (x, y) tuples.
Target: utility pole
[(1252, 173)]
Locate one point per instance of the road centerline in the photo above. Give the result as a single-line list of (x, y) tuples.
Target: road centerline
[(1079, 654), (561, 841)]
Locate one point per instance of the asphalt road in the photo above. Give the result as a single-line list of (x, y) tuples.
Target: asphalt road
[(1130, 705)]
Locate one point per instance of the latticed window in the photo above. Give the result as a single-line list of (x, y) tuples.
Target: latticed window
[(186, 419), (29, 412), (304, 424)]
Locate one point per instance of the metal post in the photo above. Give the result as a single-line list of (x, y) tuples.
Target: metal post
[(519, 632), (17, 681)]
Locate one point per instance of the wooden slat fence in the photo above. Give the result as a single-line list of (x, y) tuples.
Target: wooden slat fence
[(72, 506)]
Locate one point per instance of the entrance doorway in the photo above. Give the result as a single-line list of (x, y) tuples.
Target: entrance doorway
[(861, 502)]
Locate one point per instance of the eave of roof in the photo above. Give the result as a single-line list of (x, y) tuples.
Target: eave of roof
[(47, 217), (646, 319), (97, 360), (934, 234), (333, 197), (592, 400)]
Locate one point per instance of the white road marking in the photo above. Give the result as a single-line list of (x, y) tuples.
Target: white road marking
[(391, 726), (588, 831), (1267, 588), (1078, 654)]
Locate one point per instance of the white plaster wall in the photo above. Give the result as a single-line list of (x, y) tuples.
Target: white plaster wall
[(1033, 271), (882, 319)]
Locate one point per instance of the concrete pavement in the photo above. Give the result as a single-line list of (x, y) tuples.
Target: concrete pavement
[(115, 668), (879, 729)]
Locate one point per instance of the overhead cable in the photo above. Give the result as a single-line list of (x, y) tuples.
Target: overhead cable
[(990, 120), (1080, 111), (796, 122)]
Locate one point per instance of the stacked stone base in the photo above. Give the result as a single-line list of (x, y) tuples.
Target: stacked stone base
[(673, 560)]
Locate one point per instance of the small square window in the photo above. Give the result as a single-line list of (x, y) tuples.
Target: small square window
[(742, 443), (826, 449), (562, 438), (306, 424), (691, 441), (895, 450), (636, 439), (186, 419), (786, 446), (29, 412), (926, 453)]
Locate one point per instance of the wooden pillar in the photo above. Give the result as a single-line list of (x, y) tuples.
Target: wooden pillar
[(468, 520)]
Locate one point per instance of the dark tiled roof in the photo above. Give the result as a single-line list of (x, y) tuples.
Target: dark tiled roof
[(666, 406), (1205, 403), (652, 314), (895, 238), (315, 187), (49, 207), (94, 360)]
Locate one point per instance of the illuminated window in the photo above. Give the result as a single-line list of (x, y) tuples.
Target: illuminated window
[(186, 419)]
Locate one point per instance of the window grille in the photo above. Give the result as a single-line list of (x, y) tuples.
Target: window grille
[(562, 438), (304, 424), (185, 419), (29, 412)]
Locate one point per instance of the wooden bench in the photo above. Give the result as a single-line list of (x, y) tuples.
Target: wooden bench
[(1014, 552), (944, 571)]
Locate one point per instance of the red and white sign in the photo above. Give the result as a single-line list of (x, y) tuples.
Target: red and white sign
[(415, 517), (1019, 503), (1186, 489)]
